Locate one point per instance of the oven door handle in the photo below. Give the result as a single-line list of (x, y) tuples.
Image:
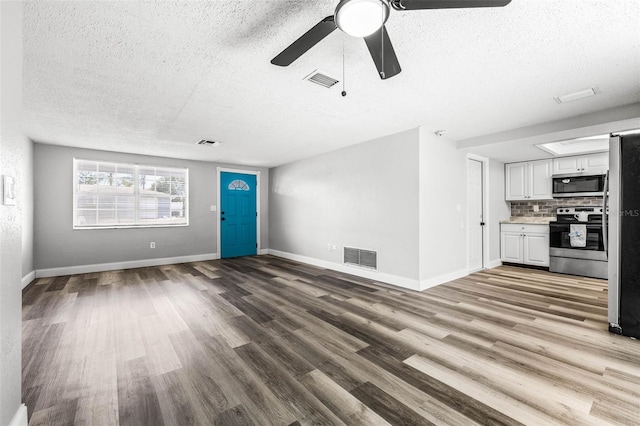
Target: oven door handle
[(605, 224), (568, 225)]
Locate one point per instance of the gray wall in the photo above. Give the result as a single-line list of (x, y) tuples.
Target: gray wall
[(443, 187), (364, 196), (57, 245), (12, 144)]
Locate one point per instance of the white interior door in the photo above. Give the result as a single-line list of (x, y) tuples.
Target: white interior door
[(476, 216)]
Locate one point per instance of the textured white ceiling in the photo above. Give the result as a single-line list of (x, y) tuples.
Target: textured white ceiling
[(156, 77)]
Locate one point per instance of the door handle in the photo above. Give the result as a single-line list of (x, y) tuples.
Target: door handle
[(481, 223), (221, 212), (222, 218)]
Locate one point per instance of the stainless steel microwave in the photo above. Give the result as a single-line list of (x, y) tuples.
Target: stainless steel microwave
[(578, 185)]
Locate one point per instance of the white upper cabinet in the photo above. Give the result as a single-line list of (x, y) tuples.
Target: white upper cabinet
[(592, 163), (530, 180), (540, 182), (516, 174)]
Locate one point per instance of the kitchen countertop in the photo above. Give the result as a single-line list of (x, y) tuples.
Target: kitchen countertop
[(530, 220)]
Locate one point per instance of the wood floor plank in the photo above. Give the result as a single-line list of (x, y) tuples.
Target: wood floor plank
[(137, 400), (471, 407), (301, 402), (348, 408), (236, 416), (268, 341), (387, 406)]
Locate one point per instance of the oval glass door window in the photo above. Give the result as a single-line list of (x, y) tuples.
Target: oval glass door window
[(238, 185)]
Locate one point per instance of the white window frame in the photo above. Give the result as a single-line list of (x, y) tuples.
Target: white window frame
[(136, 194)]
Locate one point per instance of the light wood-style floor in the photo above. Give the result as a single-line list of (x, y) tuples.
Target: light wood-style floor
[(267, 341)]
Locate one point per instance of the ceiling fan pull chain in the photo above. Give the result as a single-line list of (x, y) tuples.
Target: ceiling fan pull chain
[(382, 42), (344, 92)]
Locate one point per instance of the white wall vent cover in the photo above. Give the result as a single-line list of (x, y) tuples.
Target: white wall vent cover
[(321, 79), (360, 257)]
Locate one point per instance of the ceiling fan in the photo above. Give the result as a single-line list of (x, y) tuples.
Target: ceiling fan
[(366, 18)]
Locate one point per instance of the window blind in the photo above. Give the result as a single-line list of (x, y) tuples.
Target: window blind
[(108, 195)]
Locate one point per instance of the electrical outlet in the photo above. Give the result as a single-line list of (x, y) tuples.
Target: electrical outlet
[(152, 244), (536, 208)]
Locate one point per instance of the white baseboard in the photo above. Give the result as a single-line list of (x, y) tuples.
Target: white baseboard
[(494, 263), (263, 252), (441, 279), (26, 280), (364, 273), (20, 418), (101, 267)]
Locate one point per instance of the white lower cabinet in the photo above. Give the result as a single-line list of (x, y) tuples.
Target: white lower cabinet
[(524, 243)]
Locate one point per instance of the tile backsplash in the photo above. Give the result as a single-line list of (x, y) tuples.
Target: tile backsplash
[(547, 208)]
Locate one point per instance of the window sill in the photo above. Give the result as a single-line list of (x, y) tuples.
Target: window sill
[(93, 228)]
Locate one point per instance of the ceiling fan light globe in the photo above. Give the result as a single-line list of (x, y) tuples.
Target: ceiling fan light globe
[(360, 18)]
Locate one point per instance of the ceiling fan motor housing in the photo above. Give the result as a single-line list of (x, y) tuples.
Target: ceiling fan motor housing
[(360, 18)]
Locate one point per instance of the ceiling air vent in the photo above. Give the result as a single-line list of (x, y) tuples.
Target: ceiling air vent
[(360, 257), (210, 143), (591, 91), (321, 79)]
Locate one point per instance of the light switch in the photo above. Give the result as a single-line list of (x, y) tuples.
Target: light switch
[(214, 208), (459, 208)]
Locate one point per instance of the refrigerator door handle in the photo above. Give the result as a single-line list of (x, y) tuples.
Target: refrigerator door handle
[(605, 224)]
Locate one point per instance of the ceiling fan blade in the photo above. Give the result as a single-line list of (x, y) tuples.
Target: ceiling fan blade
[(383, 54), (306, 42), (445, 4)]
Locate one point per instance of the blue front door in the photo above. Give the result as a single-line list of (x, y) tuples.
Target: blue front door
[(238, 214)]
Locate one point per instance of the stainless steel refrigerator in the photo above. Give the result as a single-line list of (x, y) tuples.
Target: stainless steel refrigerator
[(624, 235)]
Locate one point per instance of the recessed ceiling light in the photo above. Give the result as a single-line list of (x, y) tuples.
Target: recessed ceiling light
[(585, 145), (591, 91)]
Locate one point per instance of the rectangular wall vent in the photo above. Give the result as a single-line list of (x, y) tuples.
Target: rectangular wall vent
[(321, 79), (359, 257)]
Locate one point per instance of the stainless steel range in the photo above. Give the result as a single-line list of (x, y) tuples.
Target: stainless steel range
[(577, 242)]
